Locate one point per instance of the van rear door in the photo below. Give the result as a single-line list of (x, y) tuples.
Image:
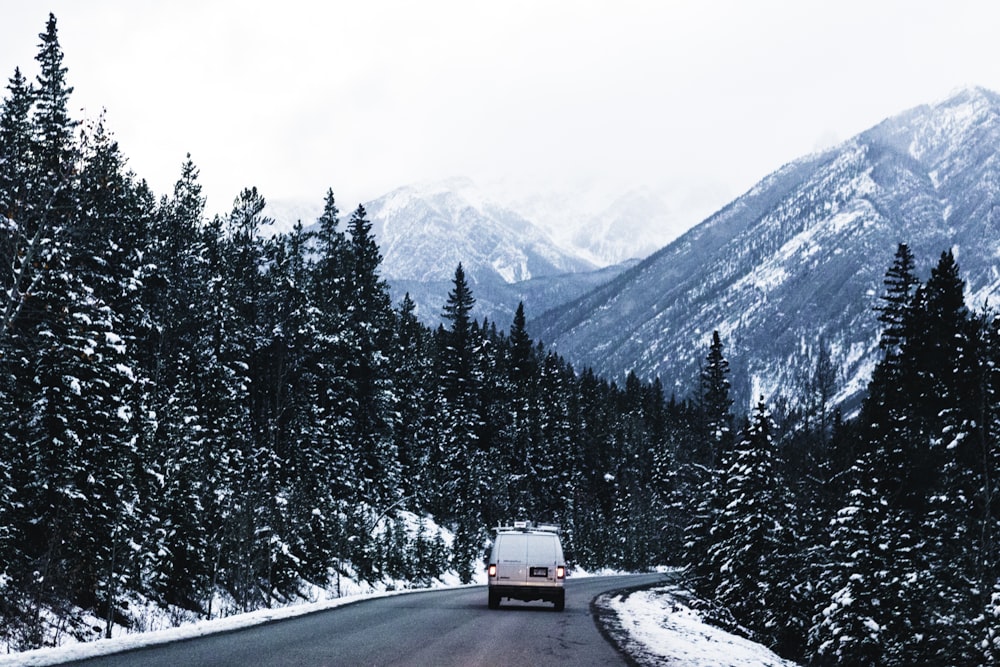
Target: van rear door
[(512, 565), (542, 559)]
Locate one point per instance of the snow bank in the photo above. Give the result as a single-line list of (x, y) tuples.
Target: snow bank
[(81, 651), (655, 627)]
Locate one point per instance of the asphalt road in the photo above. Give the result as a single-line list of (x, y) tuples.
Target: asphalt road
[(439, 628)]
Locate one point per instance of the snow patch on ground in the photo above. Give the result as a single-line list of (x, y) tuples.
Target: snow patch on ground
[(655, 627)]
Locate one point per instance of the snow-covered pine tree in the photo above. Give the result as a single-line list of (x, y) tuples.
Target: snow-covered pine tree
[(177, 354), (752, 549), (850, 623), (329, 290), (495, 400), (410, 361), (373, 398), (110, 239), (551, 453), (237, 483), (513, 412), (458, 429), (941, 361), (69, 370), (671, 481), (912, 494), (716, 403), (706, 468), (311, 526), (986, 631), (261, 565), (285, 393), (17, 273), (900, 283), (19, 242), (594, 487)]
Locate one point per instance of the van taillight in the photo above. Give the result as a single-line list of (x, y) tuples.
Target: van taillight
[(493, 570), (560, 572)]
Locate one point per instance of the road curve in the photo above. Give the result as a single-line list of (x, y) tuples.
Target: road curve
[(439, 628)]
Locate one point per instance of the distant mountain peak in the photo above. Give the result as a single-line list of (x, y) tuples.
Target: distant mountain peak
[(425, 230)]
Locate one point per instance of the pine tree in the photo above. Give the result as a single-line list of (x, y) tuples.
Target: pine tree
[(913, 488), (716, 402), (459, 426), (413, 378), (373, 397), (900, 283), (15, 143), (177, 351), (235, 471), (55, 153), (942, 361), (985, 547), (752, 541), (850, 625), (523, 363), (332, 348), (18, 277), (71, 376), (711, 462), (518, 408), (110, 238), (458, 311)]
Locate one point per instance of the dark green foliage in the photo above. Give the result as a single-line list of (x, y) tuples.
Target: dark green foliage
[(753, 542), (213, 420), (871, 541), (703, 475)]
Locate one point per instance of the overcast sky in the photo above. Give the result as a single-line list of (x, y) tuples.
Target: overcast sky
[(367, 95)]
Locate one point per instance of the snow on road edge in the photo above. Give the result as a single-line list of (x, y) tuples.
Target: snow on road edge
[(84, 650), (653, 627)]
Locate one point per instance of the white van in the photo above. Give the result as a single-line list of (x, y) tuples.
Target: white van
[(526, 563)]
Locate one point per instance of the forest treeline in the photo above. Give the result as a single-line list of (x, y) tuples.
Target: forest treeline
[(212, 419), (208, 418), (871, 541)]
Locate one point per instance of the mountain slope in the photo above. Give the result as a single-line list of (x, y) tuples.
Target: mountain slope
[(425, 232), (797, 262)]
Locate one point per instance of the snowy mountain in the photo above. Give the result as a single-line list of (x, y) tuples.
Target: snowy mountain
[(424, 231), (543, 249), (797, 263)]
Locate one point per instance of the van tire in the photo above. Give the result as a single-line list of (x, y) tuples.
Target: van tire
[(494, 600), (560, 602)]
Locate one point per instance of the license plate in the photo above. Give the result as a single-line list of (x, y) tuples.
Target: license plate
[(539, 572)]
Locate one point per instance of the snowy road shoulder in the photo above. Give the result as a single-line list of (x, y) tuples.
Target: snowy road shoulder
[(655, 627), (82, 651)]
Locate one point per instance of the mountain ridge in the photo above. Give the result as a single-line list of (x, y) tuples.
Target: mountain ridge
[(796, 263)]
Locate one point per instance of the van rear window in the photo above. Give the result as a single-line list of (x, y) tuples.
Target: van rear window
[(512, 548), (542, 549)]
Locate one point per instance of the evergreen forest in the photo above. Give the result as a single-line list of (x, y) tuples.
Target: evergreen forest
[(209, 418)]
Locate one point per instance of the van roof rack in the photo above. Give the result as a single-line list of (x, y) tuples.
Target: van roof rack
[(527, 526)]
